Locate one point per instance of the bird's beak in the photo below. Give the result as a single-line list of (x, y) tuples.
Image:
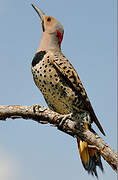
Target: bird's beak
[(39, 12)]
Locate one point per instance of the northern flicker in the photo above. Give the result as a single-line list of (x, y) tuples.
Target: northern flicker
[(60, 84)]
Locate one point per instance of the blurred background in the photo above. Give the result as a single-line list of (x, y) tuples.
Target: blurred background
[(32, 151)]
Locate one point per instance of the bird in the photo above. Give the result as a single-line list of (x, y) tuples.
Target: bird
[(61, 86)]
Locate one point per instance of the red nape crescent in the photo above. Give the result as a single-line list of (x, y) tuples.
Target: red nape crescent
[(60, 37)]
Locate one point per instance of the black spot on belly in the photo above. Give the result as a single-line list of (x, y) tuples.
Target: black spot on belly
[(64, 67), (38, 57), (44, 82)]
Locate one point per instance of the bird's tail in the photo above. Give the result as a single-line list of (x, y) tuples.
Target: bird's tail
[(90, 157)]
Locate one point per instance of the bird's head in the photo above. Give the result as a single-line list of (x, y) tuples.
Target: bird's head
[(50, 26)]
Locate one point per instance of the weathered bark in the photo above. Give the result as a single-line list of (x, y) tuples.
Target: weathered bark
[(73, 128)]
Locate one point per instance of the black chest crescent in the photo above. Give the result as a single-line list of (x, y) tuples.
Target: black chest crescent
[(38, 57)]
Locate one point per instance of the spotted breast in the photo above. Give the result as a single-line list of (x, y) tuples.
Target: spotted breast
[(56, 90)]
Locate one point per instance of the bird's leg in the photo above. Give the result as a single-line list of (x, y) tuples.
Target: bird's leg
[(84, 119)]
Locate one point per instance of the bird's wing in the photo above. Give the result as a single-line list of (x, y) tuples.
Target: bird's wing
[(65, 68)]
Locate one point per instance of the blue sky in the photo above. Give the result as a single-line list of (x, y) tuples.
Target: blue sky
[(32, 151)]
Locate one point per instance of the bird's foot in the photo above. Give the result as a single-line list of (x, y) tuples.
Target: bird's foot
[(63, 118)]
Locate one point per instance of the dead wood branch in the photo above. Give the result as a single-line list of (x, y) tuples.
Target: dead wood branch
[(44, 116)]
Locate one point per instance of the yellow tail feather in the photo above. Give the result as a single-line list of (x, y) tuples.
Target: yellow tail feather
[(90, 157)]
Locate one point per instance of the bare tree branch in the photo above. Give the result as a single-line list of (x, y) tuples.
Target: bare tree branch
[(73, 128)]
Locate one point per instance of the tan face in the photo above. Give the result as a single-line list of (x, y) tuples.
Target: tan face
[(49, 23)]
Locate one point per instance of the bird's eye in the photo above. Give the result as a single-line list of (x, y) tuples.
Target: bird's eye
[(49, 19)]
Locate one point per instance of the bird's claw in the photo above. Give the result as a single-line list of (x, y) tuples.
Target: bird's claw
[(36, 107)]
